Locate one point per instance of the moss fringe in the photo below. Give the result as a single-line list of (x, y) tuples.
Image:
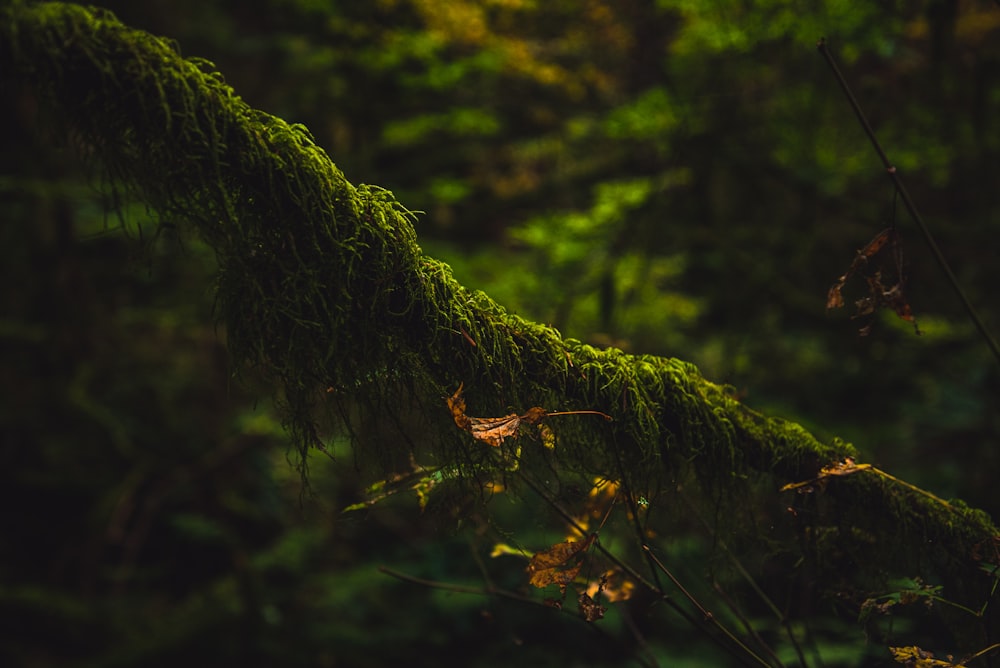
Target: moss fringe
[(323, 287)]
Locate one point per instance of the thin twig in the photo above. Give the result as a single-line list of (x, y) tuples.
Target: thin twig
[(908, 203), (640, 534), (490, 591), (634, 574), (989, 649), (702, 626), (707, 615), (603, 415), (459, 589), (738, 565), (748, 628)]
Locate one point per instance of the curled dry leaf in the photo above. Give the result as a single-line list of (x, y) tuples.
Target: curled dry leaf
[(456, 404), (494, 430), (550, 566), (846, 467), (590, 609), (561, 576), (612, 586), (879, 294)]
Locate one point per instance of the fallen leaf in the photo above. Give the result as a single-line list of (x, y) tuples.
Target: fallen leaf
[(550, 566), (846, 467), (494, 430), (590, 609), (561, 576)]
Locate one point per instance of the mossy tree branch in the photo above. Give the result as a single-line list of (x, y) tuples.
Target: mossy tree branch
[(323, 287)]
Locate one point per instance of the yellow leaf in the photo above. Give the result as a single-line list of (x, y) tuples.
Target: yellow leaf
[(846, 467), (919, 658), (501, 549), (549, 566), (558, 576)]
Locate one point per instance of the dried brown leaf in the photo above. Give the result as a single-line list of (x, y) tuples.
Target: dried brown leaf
[(846, 467), (590, 609), (879, 296), (559, 553), (557, 576), (456, 404), (493, 430), (550, 566), (837, 469), (876, 244), (834, 298)]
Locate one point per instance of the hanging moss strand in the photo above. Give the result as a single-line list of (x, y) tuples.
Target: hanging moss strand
[(323, 288)]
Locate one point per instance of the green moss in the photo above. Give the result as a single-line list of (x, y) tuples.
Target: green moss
[(322, 286)]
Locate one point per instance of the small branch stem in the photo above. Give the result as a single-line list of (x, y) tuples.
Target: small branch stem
[(987, 650), (707, 621), (489, 591), (707, 616), (779, 615), (537, 489), (603, 415)]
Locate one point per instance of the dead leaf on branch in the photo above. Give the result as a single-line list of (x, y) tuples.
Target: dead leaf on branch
[(834, 299), (551, 566), (837, 469), (590, 609), (456, 404), (558, 565), (494, 430), (561, 565), (612, 586), (879, 294)]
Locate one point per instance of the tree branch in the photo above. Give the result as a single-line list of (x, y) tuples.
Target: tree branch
[(323, 287)]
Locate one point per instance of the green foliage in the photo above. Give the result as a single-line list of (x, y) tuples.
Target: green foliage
[(457, 123)]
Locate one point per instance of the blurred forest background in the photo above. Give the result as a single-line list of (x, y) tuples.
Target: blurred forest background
[(675, 177)]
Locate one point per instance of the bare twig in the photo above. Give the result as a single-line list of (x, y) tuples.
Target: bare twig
[(491, 591), (702, 625), (634, 574), (707, 615), (738, 565)]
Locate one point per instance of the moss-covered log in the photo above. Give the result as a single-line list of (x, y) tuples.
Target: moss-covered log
[(323, 287)]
